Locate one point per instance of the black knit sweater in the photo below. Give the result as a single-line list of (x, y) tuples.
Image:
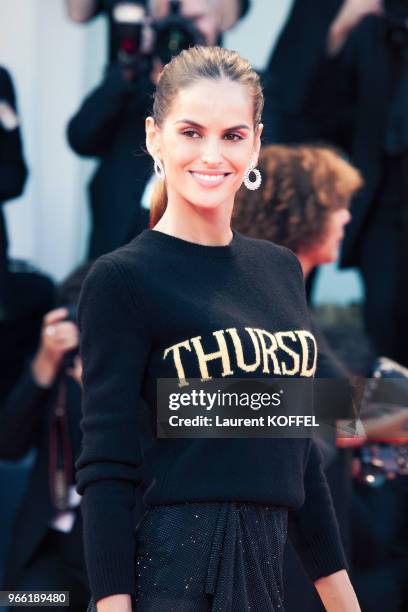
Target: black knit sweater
[(162, 307)]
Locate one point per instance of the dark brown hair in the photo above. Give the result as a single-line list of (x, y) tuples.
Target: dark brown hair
[(190, 66), (302, 185)]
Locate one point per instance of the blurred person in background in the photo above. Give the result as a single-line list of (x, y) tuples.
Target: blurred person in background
[(24, 294), (42, 411), (304, 205), (353, 91), (13, 175), (83, 11), (296, 57), (110, 122)]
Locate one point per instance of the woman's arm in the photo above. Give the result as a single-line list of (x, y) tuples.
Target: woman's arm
[(314, 532), (115, 345), (313, 528), (337, 593)]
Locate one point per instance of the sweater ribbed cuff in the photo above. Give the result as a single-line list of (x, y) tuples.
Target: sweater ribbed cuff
[(109, 537), (112, 574), (322, 554)]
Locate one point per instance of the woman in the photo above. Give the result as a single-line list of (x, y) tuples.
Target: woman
[(304, 203), (304, 206), (191, 299)]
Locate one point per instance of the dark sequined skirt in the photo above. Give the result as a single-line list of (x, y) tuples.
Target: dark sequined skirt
[(218, 557)]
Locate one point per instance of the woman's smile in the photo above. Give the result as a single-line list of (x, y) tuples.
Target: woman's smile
[(209, 179)]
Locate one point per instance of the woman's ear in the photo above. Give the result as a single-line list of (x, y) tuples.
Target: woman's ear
[(152, 137)]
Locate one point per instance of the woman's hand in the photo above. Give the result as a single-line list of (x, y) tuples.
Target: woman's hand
[(337, 593), (57, 338), (348, 17), (115, 603)]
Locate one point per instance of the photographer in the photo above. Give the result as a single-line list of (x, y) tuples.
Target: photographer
[(43, 411), (13, 174), (360, 96), (296, 57), (25, 295), (354, 93), (110, 122), (81, 11)]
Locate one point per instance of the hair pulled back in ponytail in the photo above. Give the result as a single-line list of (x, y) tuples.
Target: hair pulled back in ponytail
[(187, 68)]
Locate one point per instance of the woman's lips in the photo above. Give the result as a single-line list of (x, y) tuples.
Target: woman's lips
[(208, 179)]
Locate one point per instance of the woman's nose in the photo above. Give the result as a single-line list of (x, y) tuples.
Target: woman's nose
[(211, 153)]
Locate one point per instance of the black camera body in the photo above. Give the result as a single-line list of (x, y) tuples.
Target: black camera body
[(128, 23), (174, 33), (171, 34)]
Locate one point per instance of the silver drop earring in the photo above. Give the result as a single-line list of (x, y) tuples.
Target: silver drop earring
[(252, 185), (159, 169)]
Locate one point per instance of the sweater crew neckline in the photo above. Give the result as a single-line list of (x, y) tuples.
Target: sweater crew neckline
[(193, 248)]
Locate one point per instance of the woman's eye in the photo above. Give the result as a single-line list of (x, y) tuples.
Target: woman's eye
[(233, 137), (191, 134)]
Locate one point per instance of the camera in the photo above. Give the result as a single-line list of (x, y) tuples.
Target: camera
[(174, 33), (128, 23), (170, 35)]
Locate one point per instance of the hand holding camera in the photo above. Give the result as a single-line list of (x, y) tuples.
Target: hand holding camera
[(138, 35), (59, 337)]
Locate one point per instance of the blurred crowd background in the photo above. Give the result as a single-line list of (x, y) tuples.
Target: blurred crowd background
[(76, 82)]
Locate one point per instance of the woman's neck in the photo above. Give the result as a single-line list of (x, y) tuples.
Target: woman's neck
[(306, 263), (211, 227)]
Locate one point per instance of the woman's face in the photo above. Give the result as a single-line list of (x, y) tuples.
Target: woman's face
[(327, 250), (206, 142)]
